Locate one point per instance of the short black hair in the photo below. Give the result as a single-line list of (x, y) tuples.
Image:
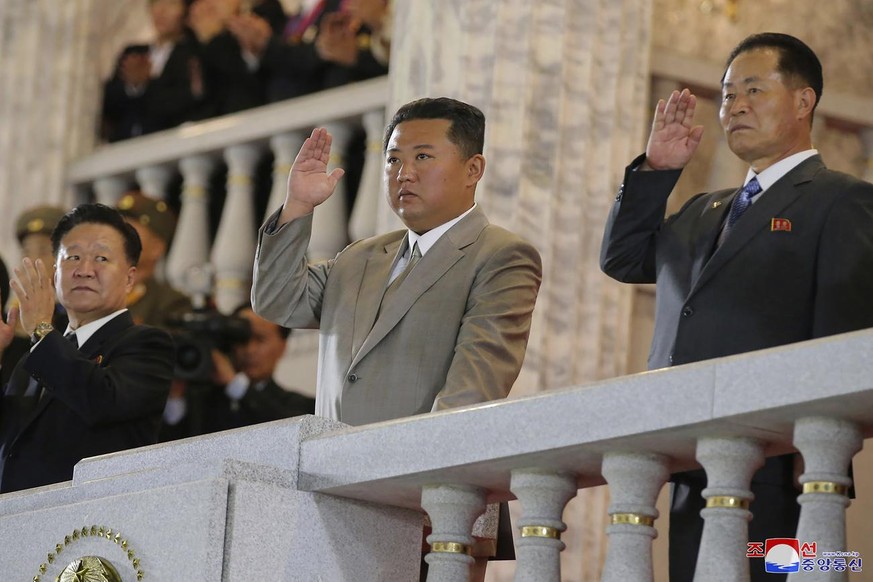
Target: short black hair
[(467, 129), (96, 213), (797, 61)]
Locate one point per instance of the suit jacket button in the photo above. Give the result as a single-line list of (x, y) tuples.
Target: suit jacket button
[(353, 378), (687, 311)]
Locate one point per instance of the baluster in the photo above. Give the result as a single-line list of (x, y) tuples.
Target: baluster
[(330, 221), (543, 496), (452, 510), (191, 242), (155, 180), (234, 249), (730, 464), (285, 147), (635, 479), (827, 446), (110, 189), (364, 215)]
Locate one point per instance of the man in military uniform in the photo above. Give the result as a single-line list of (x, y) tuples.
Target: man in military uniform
[(152, 301)]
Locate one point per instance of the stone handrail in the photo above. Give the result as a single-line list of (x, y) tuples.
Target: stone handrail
[(724, 414), (213, 136)]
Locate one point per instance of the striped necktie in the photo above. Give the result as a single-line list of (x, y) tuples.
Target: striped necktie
[(743, 201)]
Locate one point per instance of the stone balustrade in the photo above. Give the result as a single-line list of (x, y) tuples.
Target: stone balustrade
[(241, 141), (311, 499)]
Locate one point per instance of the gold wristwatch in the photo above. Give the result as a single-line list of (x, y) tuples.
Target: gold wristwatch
[(42, 329)]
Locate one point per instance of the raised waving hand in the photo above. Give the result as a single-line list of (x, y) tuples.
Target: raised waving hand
[(674, 137)]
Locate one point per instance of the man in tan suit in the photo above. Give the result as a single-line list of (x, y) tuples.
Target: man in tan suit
[(453, 331), (416, 320)]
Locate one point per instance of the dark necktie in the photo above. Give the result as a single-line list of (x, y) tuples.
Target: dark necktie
[(71, 337), (743, 201)]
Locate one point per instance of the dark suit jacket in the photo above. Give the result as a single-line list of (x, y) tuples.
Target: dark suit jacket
[(105, 397), (166, 102), (209, 409), (454, 333), (272, 402)]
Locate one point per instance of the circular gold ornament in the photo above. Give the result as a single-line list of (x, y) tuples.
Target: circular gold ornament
[(89, 569)]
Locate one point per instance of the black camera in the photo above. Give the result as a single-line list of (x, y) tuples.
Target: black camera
[(198, 333)]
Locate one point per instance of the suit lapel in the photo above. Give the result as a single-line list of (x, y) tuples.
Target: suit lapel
[(709, 229), (374, 280), (756, 219), (447, 251), (96, 345)]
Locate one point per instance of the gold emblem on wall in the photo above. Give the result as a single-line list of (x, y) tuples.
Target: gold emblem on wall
[(91, 568)]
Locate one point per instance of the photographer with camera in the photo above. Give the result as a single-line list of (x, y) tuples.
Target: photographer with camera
[(241, 390)]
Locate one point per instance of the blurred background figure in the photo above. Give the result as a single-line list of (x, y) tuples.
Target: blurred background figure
[(33, 230), (328, 43), (152, 301), (159, 85), (231, 72), (242, 390)]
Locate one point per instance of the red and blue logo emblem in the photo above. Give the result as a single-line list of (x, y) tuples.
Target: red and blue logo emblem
[(781, 555)]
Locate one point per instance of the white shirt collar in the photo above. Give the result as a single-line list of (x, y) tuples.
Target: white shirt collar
[(84, 332), (427, 240), (772, 174), (159, 54)]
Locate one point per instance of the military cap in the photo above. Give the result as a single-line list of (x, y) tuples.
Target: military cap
[(40, 219), (154, 214)]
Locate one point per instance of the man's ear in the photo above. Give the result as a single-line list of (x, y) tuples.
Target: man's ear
[(805, 102), (131, 277), (475, 168)]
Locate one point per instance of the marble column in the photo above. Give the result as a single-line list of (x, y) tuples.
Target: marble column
[(452, 510), (635, 479), (233, 251), (110, 189), (330, 220), (51, 73), (189, 254), (154, 180), (543, 496), (827, 446), (371, 192), (285, 147), (730, 464)]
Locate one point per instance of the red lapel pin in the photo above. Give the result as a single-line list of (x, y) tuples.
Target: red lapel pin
[(782, 224)]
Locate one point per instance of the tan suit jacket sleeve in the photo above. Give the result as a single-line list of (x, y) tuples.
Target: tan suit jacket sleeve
[(493, 333), (285, 288)]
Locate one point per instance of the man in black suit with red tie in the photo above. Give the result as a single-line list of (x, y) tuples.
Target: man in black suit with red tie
[(786, 258), (101, 386)]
